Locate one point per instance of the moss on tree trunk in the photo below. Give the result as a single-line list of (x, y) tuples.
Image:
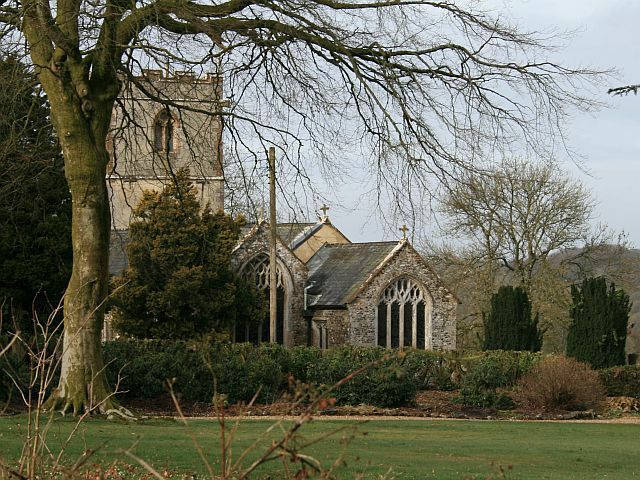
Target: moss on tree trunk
[(82, 123)]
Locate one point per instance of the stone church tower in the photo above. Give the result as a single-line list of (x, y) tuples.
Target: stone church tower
[(150, 141)]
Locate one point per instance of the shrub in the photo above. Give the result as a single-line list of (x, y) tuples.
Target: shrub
[(430, 370), (243, 370), (303, 360), (493, 370), (384, 385), (197, 369), (480, 384), (200, 368), (560, 382), (621, 381)]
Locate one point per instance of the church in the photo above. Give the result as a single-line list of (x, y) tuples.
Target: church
[(330, 291)]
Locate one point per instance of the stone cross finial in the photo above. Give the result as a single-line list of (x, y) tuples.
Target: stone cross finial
[(404, 231), (324, 209)]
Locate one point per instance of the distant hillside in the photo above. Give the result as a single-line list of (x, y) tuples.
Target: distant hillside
[(620, 265)]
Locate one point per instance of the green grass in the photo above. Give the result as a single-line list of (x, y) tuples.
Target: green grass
[(413, 449)]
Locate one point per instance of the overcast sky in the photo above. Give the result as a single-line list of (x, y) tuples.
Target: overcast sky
[(606, 37)]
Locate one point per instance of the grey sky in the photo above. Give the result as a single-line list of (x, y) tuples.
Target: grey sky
[(605, 37)]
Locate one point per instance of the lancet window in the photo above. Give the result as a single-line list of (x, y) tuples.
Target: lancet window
[(404, 316)]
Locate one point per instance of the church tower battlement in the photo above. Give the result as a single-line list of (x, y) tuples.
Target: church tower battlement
[(159, 125)]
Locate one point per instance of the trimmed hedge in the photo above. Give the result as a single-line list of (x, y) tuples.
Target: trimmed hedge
[(198, 369), (239, 371), (621, 381)]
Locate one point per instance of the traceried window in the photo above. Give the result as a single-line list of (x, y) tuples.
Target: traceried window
[(258, 271), (404, 316), (163, 133)]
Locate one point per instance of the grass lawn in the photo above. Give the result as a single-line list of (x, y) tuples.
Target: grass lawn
[(412, 449)]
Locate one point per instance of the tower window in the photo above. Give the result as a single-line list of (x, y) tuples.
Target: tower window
[(163, 131)]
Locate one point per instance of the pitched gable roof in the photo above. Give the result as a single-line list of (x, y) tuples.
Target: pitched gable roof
[(402, 244), (294, 233), (337, 271)]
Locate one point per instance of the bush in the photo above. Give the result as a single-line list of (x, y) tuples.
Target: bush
[(621, 381), (560, 382), (302, 361), (430, 370), (384, 385), (493, 370), (241, 370), (197, 369)]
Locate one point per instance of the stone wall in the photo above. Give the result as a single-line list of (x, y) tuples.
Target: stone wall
[(257, 241), (406, 262), (337, 324)]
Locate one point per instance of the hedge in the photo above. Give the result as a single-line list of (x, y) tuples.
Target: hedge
[(198, 370), (621, 381), (491, 370)]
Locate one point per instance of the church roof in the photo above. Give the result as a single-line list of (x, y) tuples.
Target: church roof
[(293, 234), (337, 271)]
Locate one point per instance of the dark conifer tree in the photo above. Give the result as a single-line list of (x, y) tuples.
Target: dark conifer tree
[(35, 203), (598, 330), (179, 283), (509, 324)]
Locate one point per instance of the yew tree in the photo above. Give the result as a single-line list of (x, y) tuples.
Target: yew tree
[(35, 208), (422, 87), (179, 282), (599, 318), (509, 324)]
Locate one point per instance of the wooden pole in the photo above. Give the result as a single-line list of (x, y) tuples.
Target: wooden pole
[(273, 278)]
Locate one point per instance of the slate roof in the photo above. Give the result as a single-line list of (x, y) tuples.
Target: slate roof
[(336, 271), (293, 234)]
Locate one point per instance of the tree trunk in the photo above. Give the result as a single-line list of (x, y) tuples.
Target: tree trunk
[(83, 384)]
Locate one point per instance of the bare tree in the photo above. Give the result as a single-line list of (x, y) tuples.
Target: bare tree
[(527, 224), (424, 86), (519, 213), (624, 90)]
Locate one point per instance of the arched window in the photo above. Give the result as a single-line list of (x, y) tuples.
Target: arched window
[(404, 316), (258, 271), (163, 132)]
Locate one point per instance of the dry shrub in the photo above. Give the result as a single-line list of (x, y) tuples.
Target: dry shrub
[(559, 382)]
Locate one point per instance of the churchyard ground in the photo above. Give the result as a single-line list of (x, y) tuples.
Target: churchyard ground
[(401, 448)]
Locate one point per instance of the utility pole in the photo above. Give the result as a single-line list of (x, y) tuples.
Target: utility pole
[(273, 277)]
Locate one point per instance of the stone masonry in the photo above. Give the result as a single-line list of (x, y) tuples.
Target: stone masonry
[(294, 277), (405, 262)]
